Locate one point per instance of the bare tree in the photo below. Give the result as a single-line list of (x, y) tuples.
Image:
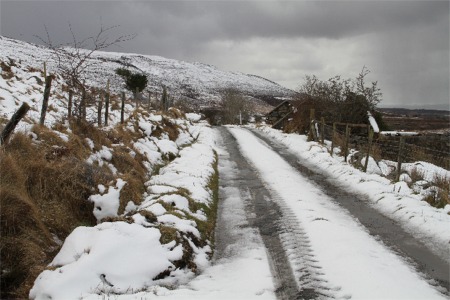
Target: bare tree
[(75, 57), (235, 108), (338, 99), (372, 93)]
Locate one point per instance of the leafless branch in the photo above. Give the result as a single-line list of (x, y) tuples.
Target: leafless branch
[(74, 58)]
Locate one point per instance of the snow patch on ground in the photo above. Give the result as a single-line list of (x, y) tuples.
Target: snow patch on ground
[(111, 258), (106, 205)]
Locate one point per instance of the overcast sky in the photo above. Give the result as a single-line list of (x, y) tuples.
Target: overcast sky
[(405, 44)]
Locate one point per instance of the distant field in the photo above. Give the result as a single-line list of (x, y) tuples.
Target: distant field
[(416, 119)]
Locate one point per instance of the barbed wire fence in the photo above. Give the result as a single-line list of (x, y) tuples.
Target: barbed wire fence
[(434, 149)]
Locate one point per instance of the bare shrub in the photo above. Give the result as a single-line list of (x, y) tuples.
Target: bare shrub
[(442, 196), (416, 175), (234, 107)]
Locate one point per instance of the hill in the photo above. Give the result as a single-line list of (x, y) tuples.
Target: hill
[(197, 83)]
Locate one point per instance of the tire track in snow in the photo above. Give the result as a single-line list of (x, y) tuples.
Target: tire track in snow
[(296, 272), (296, 244)]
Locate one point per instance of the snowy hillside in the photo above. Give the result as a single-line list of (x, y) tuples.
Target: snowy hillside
[(191, 80), (137, 195)]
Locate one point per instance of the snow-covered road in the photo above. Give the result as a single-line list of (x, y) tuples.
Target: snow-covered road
[(331, 253)]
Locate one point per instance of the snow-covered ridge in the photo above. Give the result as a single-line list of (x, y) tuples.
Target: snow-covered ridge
[(195, 80)]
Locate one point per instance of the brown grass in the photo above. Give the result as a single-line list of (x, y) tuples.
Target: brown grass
[(339, 142), (44, 191), (176, 113), (167, 127), (168, 234), (6, 69), (416, 175), (87, 130), (132, 191), (211, 210), (442, 197), (149, 216), (375, 152), (43, 194)]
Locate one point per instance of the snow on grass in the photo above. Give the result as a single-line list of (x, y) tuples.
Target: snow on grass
[(106, 205), (122, 258), (246, 276), (193, 117), (190, 171), (367, 268), (394, 200), (108, 258), (99, 157)]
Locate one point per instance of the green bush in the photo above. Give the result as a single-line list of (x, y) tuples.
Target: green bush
[(133, 81)]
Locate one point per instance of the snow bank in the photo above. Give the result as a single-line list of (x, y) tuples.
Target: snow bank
[(108, 258), (128, 257), (191, 171)]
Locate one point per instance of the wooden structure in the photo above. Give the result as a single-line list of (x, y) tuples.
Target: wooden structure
[(279, 116)]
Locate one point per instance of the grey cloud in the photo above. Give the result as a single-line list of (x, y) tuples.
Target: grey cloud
[(404, 43)]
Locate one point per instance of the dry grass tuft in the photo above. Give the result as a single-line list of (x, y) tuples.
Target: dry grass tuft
[(132, 191), (168, 234), (87, 130), (126, 219), (169, 128), (176, 113), (441, 197), (149, 216), (415, 176), (7, 73), (40, 198)]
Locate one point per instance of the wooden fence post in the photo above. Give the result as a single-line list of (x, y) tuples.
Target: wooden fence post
[(164, 99), (48, 85), (149, 100), (400, 157), (332, 139), (99, 111), (312, 130), (369, 148), (122, 109), (106, 106), (11, 125), (347, 140), (322, 130)]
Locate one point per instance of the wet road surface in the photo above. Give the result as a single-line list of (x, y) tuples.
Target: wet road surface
[(435, 269), (280, 230)]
